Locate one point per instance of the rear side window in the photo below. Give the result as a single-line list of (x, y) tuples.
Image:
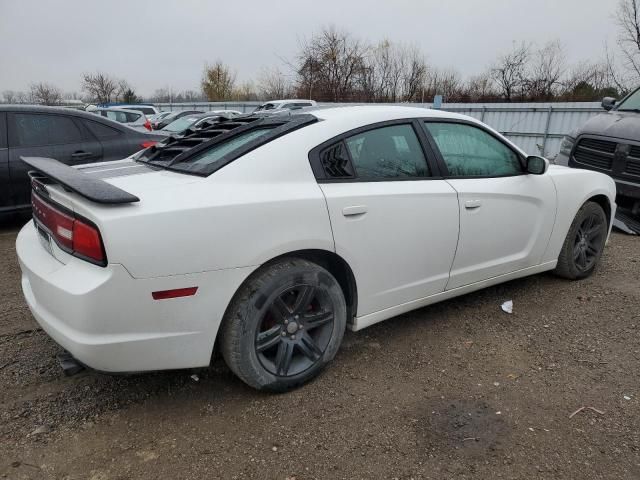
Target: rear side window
[(30, 130), (469, 151), (388, 153), (100, 130)]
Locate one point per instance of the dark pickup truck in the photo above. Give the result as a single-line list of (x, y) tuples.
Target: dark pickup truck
[(610, 143), (70, 136)]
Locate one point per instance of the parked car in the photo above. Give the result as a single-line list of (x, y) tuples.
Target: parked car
[(176, 114), (131, 118), (155, 119), (196, 120), (268, 236), (73, 137), (148, 110), (610, 143), (277, 106)]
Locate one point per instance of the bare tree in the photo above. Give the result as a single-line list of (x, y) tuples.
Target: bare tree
[(9, 96), (414, 77), (545, 72), (218, 82), (480, 88), (510, 71), (273, 84), (628, 20), (45, 94), (330, 65), (447, 83), (100, 87)]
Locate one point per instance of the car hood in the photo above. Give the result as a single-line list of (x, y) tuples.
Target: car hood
[(614, 124)]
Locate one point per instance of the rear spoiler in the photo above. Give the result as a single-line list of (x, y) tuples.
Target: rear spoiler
[(48, 170)]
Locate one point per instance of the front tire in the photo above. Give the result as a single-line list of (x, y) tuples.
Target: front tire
[(584, 244), (284, 325)]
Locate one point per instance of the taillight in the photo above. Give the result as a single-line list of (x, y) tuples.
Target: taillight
[(148, 143), (73, 234), (147, 125)]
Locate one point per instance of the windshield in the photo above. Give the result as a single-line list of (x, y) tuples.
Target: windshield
[(632, 103), (266, 106), (180, 124)]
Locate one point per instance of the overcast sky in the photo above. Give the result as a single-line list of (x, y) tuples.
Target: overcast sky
[(159, 43)]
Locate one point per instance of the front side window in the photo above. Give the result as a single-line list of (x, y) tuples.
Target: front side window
[(388, 152), (469, 151), (37, 129)]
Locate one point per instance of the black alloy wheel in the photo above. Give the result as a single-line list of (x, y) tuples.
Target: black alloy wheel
[(295, 331)]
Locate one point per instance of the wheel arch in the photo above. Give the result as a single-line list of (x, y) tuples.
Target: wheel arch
[(604, 202), (331, 261), (338, 267)]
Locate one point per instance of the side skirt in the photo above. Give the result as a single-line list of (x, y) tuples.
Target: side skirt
[(367, 320)]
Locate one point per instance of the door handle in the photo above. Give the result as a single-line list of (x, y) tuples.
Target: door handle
[(354, 211), (81, 154), (472, 204)]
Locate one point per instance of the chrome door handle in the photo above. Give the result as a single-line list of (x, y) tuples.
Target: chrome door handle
[(471, 204), (354, 210)]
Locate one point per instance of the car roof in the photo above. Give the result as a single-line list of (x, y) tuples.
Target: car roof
[(365, 114)]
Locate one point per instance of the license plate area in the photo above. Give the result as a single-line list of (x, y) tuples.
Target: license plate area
[(45, 238)]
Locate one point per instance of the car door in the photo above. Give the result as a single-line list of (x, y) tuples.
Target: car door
[(6, 202), (394, 220), (506, 215), (114, 142), (44, 135)]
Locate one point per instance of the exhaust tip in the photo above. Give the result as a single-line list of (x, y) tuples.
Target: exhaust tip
[(70, 366)]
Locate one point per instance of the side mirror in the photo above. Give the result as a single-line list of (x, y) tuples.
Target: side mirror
[(537, 165), (608, 103)]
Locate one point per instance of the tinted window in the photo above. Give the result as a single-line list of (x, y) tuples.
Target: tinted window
[(100, 130), (471, 152), (36, 129), (388, 152)]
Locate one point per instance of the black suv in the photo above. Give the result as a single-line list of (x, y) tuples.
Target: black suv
[(70, 136), (610, 143)]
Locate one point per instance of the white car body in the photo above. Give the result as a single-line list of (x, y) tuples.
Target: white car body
[(407, 243)]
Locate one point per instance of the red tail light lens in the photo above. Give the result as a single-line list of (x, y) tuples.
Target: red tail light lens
[(74, 235), (87, 241), (148, 143), (147, 125)]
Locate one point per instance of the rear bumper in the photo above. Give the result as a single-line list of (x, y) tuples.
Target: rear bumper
[(109, 321)]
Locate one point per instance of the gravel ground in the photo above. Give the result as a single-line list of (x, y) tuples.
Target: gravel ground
[(458, 390)]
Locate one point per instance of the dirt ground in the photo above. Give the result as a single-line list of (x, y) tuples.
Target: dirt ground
[(458, 390)]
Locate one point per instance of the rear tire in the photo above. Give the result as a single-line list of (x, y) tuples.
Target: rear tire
[(584, 244), (284, 325)]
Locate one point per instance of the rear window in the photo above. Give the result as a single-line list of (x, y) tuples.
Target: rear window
[(145, 110), (207, 160), (180, 124)]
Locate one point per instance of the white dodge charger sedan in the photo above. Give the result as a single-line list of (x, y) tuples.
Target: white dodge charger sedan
[(266, 237)]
